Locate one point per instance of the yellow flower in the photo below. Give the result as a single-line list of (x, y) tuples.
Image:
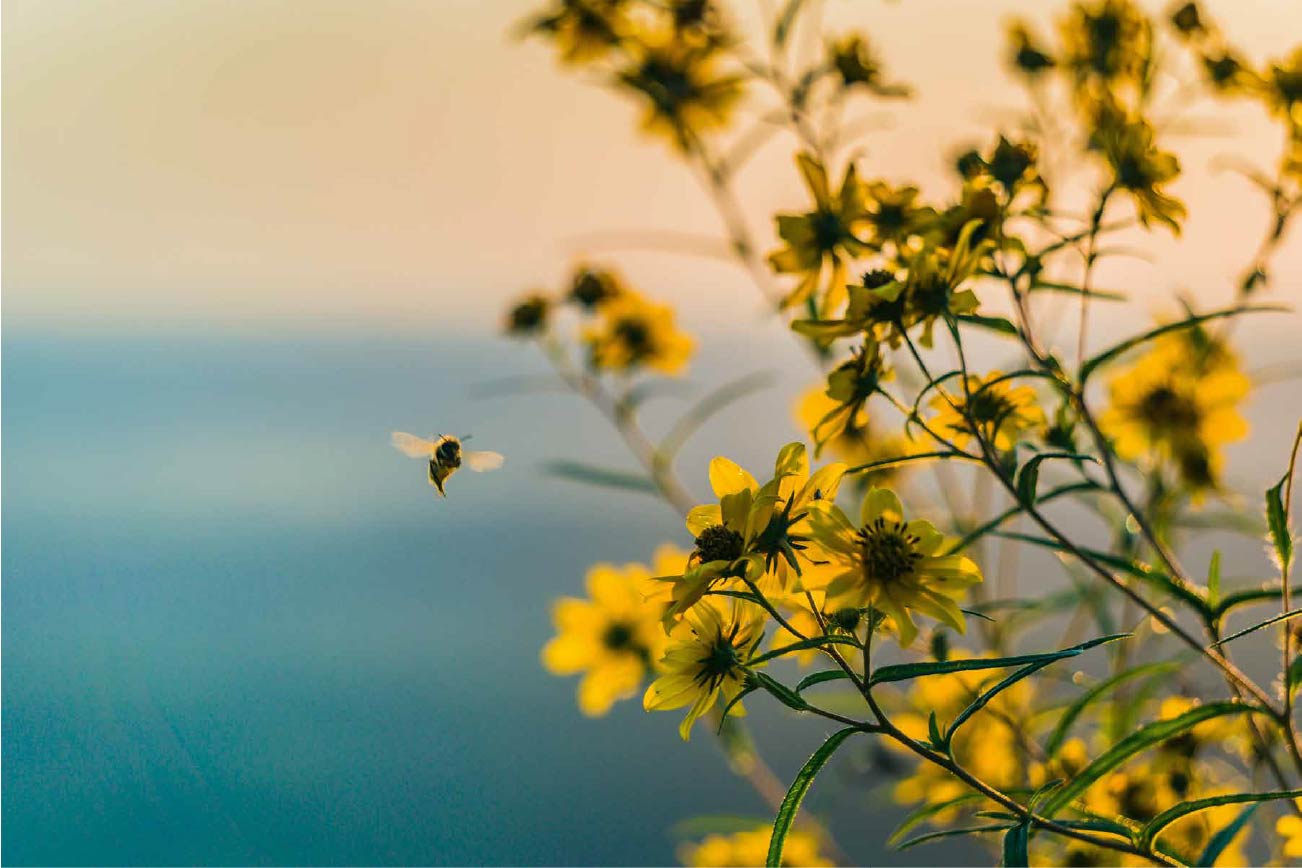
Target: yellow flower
[(1027, 55), (936, 274), (528, 316), (709, 663), (1105, 44), (857, 64), (851, 437), (685, 94), (999, 411), (583, 30), (1178, 404), (613, 637), (823, 239), (751, 848), (1284, 89), (592, 286), (1139, 168), (890, 564), (1289, 827), (894, 215), (753, 529), (632, 332)]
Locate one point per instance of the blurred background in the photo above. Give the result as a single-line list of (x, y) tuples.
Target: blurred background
[(246, 241)]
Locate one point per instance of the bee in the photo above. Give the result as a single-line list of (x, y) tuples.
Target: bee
[(445, 455)]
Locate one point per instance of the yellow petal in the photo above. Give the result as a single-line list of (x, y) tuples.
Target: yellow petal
[(727, 477)]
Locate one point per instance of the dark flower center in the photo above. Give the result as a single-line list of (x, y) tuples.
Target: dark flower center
[(718, 543), (827, 228), (988, 407), (529, 315), (591, 288), (618, 637), (1168, 410), (890, 218), (887, 551), (635, 335)]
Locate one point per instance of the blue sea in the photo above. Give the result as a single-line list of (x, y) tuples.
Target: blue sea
[(240, 629)]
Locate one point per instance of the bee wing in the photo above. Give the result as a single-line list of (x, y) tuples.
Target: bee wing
[(482, 461), (412, 446)]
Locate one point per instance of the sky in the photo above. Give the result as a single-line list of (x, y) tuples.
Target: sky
[(407, 164)]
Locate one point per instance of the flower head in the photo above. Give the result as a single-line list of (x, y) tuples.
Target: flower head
[(1027, 55), (845, 429), (528, 316), (684, 92), (1177, 405), (1105, 45), (1139, 168), (890, 564), (613, 637), (857, 64), (751, 848), (632, 332), (990, 406), (592, 286), (894, 214), (582, 30), (824, 239), (709, 662)]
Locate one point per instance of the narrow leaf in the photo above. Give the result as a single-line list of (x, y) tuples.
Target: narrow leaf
[(820, 678), (1184, 809), (1029, 476), (799, 787), (905, 671), (1015, 841), (1092, 364), (993, 323), (1073, 711), (1281, 536), (1214, 579), (802, 645), (1255, 627), (984, 699), (1222, 839), (781, 692), (1141, 740), (948, 833)]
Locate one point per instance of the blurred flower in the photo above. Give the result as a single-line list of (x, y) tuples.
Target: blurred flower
[(751, 848), (528, 316), (893, 214), (848, 434), (632, 332), (1284, 89), (855, 61), (1106, 45), (1289, 827), (591, 286), (890, 564), (933, 288), (685, 94), (1178, 403), (709, 662), (1138, 167), (583, 30), (1028, 56), (1188, 20), (997, 410), (823, 238), (613, 637)]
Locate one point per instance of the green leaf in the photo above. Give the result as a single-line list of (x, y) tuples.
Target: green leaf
[(993, 323), (1093, 363), (1214, 579), (1054, 286), (1295, 672), (605, 477), (905, 671), (1281, 536), (926, 812), (780, 692), (1255, 627), (949, 833), (821, 678), (1073, 711), (1015, 840), (799, 787), (906, 459), (1141, 740), (1245, 598), (933, 732), (1170, 815), (984, 699), (741, 694), (1222, 839), (802, 645), (1029, 476)]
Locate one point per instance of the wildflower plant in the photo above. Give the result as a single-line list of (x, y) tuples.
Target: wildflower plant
[(896, 592)]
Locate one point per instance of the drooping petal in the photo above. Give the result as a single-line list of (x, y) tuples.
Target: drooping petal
[(728, 477), (880, 503), (706, 515)]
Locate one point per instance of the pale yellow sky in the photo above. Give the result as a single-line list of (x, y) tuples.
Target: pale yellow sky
[(401, 163)]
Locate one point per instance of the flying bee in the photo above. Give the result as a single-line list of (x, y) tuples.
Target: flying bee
[(445, 456)]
